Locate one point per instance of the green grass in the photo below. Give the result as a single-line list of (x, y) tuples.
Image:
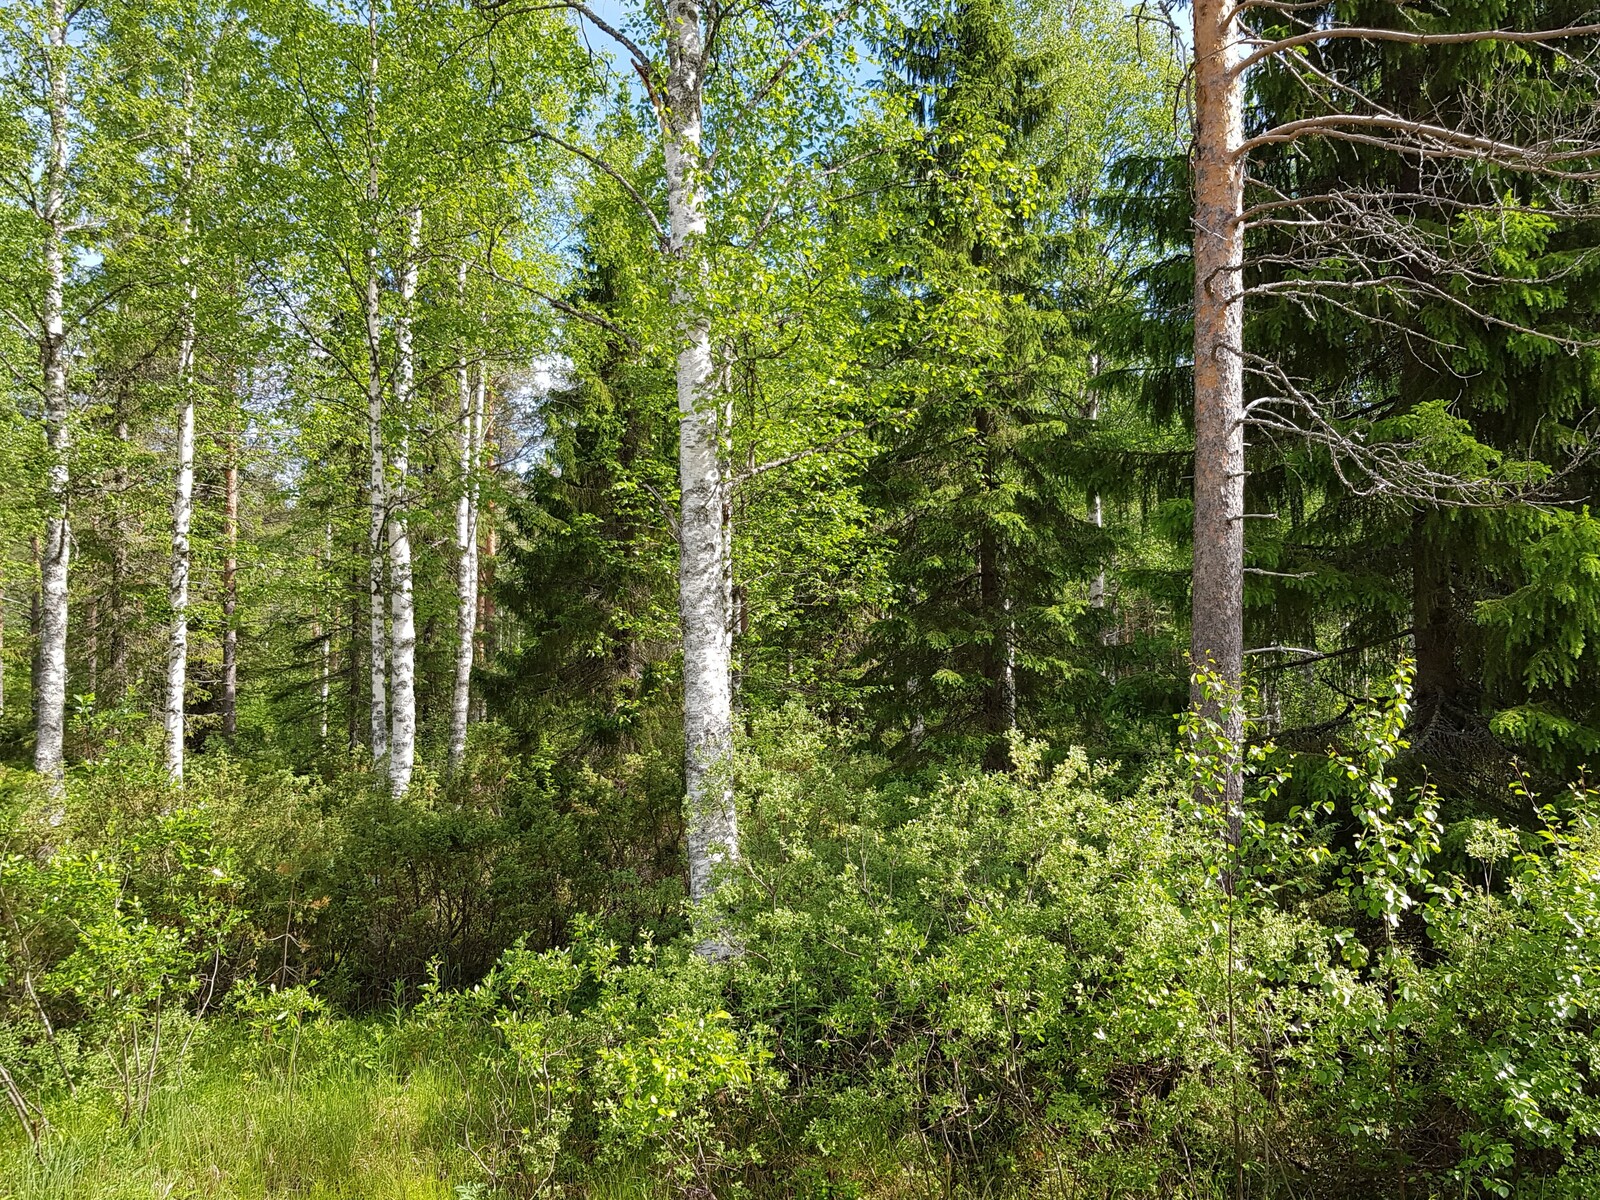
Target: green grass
[(356, 1132), (377, 1113)]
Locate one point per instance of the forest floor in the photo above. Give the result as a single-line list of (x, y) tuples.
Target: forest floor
[(220, 1130), (356, 1131)]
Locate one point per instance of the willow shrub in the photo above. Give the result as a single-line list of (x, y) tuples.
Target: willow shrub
[(1039, 980)]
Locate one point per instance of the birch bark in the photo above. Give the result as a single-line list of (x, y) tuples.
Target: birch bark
[(377, 498), (703, 580), (325, 633), (35, 620), (183, 492), (1218, 579), (471, 418), (703, 480), (56, 552), (402, 615), (230, 591)]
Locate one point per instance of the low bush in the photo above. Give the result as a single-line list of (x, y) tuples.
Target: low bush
[(1041, 982)]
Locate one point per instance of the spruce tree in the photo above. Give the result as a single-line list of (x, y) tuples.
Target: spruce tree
[(975, 494), (1483, 594)]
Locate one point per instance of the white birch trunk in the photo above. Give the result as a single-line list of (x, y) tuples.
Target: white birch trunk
[(183, 492), (703, 573), (471, 401), (325, 630), (402, 608), (377, 492), (230, 590), (378, 504), (56, 552)]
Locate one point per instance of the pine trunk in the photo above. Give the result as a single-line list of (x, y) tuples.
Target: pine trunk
[(1218, 578)]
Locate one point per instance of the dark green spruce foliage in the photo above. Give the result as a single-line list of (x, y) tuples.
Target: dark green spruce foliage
[(1497, 599), (973, 491), (590, 568)]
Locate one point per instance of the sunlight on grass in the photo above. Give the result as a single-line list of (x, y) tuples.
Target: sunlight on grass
[(347, 1134)]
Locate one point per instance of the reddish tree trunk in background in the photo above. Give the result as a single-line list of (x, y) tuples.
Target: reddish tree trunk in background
[(1218, 579)]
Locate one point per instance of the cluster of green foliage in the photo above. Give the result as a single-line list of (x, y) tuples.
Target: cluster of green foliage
[(1044, 981)]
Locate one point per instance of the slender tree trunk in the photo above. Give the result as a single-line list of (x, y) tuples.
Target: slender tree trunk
[(377, 498), (1097, 516), (2, 645), (471, 416), (999, 653), (92, 650), (1439, 683), (35, 623), (352, 666), (377, 627), (403, 615), (487, 626), (488, 547), (1218, 580), (325, 633), (117, 651), (1097, 585), (183, 493), (50, 713), (230, 591), (703, 592)]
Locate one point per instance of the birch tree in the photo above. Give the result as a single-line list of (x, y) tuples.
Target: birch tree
[(49, 73), (183, 490), (377, 482), (403, 618), (398, 174), (678, 49), (470, 387), (51, 689)]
